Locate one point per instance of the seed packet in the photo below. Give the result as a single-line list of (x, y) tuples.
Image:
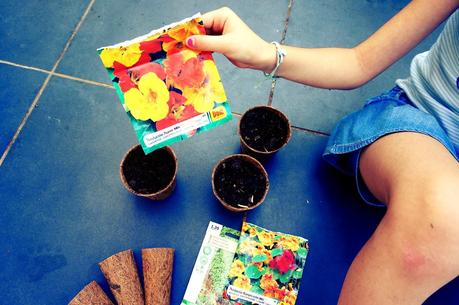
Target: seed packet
[(267, 267), (210, 271), (168, 91)]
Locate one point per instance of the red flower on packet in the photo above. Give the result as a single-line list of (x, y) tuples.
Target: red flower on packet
[(284, 262), (169, 91), (129, 78), (182, 71), (151, 46), (180, 111)]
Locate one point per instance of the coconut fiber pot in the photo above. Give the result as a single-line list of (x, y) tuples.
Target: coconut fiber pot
[(263, 130), (240, 182), (152, 176)]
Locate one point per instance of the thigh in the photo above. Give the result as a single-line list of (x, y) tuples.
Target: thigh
[(414, 250), (418, 179), (405, 163)]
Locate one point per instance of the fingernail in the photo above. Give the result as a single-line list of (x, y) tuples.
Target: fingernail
[(190, 42)]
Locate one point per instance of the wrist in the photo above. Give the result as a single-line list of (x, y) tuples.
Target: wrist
[(280, 54), (268, 58)]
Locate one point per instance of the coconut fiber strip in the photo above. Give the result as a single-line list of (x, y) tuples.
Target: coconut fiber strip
[(157, 274), (120, 271), (91, 294)]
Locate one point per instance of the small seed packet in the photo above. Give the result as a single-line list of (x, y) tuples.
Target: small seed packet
[(267, 267), (210, 271), (168, 91)]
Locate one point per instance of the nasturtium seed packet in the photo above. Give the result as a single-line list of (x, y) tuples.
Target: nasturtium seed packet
[(168, 91), (267, 267), (210, 272)]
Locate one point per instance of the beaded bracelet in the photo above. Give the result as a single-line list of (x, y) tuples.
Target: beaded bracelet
[(280, 54)]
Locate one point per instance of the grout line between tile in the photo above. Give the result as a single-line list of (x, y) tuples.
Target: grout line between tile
[(61, 75), (82, 80), (287, 20), (274, 81), (271, 92), (24, 119), (302, 129), (75, 31), (9, 63), (45, 83), (310, 131), (284, 34)]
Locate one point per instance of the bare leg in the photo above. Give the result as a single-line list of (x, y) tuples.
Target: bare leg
[(415, 249)]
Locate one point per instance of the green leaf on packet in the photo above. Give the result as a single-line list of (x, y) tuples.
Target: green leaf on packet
[(252, 272), (272, 268), (259, 258), (276, 252)]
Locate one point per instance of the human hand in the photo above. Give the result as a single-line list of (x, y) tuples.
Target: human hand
[(229, 35)]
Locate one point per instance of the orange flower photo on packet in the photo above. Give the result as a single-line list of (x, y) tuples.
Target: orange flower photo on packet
[(267, 267), (168, 91)]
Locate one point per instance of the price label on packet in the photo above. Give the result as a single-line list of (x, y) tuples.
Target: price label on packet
[(210, 272)]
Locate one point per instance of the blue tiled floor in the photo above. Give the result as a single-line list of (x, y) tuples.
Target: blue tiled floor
[(63, 208), (17, 91), (34, 32)]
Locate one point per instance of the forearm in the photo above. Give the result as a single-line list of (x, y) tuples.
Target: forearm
[(332, 68), (337, 68), (350, 68)]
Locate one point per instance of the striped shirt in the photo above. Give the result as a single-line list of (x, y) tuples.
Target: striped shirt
[(433, 85)]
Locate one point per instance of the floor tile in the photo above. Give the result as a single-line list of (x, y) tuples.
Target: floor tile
[(64, 208), (18, 88), (109, 25), (337, 24), (34, 32)]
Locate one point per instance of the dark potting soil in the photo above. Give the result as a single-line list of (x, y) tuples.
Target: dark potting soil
[(263, 130), (239, 183), (150, 173)]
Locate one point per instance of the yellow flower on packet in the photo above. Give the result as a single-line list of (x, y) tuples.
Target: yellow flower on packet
[(168, 91)]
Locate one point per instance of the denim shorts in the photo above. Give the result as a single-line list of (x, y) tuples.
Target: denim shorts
[(381, 115)]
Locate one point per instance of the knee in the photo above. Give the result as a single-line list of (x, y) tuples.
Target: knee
[(420, 252), (424, 229)]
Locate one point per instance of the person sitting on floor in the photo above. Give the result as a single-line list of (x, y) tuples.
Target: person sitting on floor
[(402, 146)]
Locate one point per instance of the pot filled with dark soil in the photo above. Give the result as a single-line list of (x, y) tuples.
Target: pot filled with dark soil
[(263, 130), (152, 176), (240, 182)]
